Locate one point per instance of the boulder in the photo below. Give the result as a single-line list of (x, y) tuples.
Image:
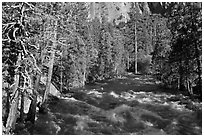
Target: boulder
[(27, 103), (53, 90)]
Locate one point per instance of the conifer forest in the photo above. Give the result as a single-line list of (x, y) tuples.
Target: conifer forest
[(101, 68)]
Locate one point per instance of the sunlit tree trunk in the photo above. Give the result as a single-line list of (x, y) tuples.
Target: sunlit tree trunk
[(84, 66), (61, 74), (22, 106), (155, 34), (189, 87), (12, 116), (53, 46), (137, 12), (7, 105), (135, 48)]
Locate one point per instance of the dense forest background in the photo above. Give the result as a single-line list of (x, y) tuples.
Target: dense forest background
[(70, 44)]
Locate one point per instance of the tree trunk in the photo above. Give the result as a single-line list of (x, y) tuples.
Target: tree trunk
[(199, 62), (137, 11), (84, 64), (84, 73), (178, 83), (154, 35), (7, 105), (61, 75), (11, 120), (4, 117), (49, 77), (22, 106), (136, 48), (199, 66), (188, 86), (128, 62), (182, 80), (32, 110), (12, 116)]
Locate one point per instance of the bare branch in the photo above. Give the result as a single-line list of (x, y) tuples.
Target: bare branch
[(61, 43), (34, 46), (14, 6), (24, 49), (30, 5), (11, 23), (35, 63), (5, 40)]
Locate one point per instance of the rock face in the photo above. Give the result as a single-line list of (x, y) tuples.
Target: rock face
[(53, 90), (26, 104)]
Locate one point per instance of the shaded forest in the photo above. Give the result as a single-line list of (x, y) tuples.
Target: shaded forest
[(51, 49)]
